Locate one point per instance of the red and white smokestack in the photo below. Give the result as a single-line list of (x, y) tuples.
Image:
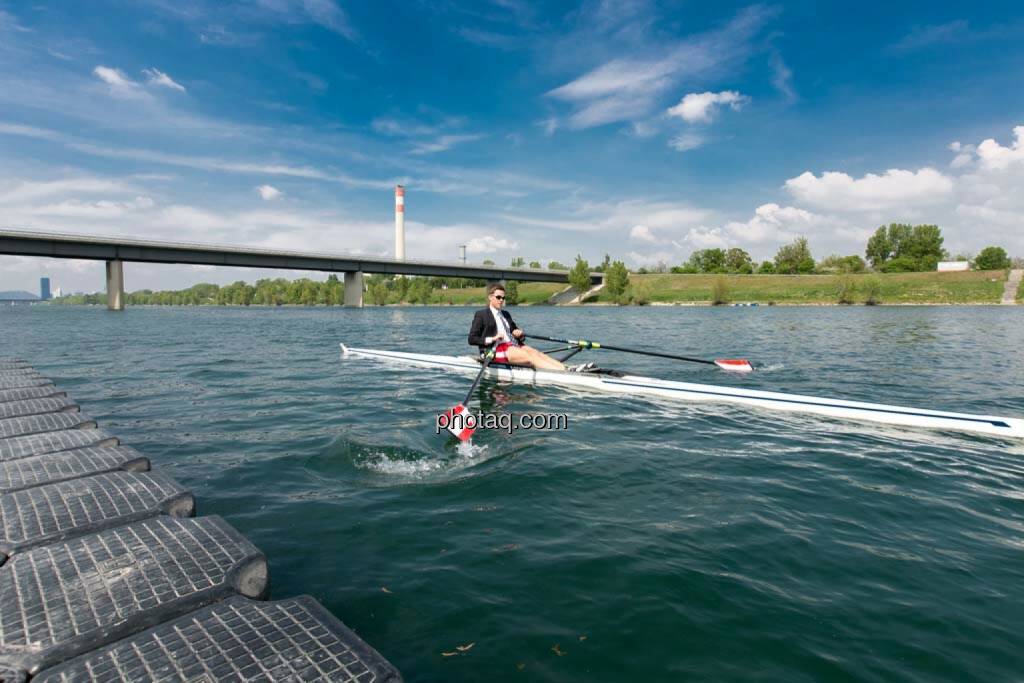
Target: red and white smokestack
[(399, 223)]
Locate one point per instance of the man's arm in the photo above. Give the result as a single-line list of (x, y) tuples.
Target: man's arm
[(477, 329), (512, 325)]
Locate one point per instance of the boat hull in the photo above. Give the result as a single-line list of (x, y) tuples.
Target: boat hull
[(647, 386)]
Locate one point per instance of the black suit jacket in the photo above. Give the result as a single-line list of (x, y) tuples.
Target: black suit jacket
[(484, 325)]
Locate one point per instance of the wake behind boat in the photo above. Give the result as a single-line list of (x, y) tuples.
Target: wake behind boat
[(619, 383)]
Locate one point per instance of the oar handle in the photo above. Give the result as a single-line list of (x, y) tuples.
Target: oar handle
[(584, 344), (488, 357)]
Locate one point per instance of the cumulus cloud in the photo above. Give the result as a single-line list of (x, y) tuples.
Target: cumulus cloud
[(774, 223), (994, 156), (894, 189), (641, 233), (268, 192), (159, 78), (701, 107), (489, 244)]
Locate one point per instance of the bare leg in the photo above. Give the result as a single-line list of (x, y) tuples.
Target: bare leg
[(527, 355)]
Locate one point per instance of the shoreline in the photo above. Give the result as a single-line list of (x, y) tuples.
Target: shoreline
[(596, 304)]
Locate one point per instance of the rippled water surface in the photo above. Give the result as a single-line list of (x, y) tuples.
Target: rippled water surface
[(650, 540)]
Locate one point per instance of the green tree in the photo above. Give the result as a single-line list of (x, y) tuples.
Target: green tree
[(616, 279), (579, 276), (517, 262), (924, 246), (992, 258), (842, 264), (738, 261), (555, 265), (794, 258), (766, 268), (918, 247), (879, 249), (378, 293), (604, 264), (488, 262), (535, 264), (708, 261), (419, 291), (511, 293)]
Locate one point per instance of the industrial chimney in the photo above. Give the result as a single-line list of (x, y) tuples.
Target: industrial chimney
[(399, 223)]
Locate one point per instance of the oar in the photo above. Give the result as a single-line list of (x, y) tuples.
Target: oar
[(464, 425), (730, 364)]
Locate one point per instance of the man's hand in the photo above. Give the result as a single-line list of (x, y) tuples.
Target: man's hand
[(518, 333)]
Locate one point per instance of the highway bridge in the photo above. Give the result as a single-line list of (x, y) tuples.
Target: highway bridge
[(115, 251)]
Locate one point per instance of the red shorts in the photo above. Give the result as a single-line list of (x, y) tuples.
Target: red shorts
[(500, 355)]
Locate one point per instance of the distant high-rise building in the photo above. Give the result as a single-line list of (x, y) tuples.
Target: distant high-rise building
[(57, 293), (44, 288)]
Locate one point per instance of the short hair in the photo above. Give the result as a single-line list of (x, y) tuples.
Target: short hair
[(494, 287)]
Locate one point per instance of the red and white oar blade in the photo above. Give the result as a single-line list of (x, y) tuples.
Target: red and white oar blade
[(461, 422), (735, 365)]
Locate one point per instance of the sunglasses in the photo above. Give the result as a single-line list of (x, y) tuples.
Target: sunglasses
[(499, 298)]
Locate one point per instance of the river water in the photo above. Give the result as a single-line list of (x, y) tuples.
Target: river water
[(648, 540)]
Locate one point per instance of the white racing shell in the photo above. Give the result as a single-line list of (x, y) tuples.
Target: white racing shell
[(647, 386)]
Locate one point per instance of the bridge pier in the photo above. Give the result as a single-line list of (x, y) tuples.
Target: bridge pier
[(354, 288), (115, 285)]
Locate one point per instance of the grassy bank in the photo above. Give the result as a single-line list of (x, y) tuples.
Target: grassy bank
[(529, 293), (895, 288)]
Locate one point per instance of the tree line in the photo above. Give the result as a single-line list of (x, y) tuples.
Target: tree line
[(893, 248)]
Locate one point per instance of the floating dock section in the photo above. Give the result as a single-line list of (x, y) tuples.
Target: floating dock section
[(107, 575)]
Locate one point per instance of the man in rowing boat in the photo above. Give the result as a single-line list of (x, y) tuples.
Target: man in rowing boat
[(494, 326)]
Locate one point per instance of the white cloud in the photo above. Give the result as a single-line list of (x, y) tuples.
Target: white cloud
[(782, 78), (443, 143), (489, 244), (964, 154), (774, 223), (701, 107), (642, 233), (119, 84), (703, 237), (330, 16), (550, 125), (629, 89), (99, 209), (684, 142), (268, 192), (157, 77), (28, 191), (426, 138), (28, 131), (927, 36), (894, 190), (994, 156), (652, 258)]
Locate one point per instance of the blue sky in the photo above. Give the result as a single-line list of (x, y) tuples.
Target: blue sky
[(645, 130)]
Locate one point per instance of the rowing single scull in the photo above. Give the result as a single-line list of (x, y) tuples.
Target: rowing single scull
[(687, 391)]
